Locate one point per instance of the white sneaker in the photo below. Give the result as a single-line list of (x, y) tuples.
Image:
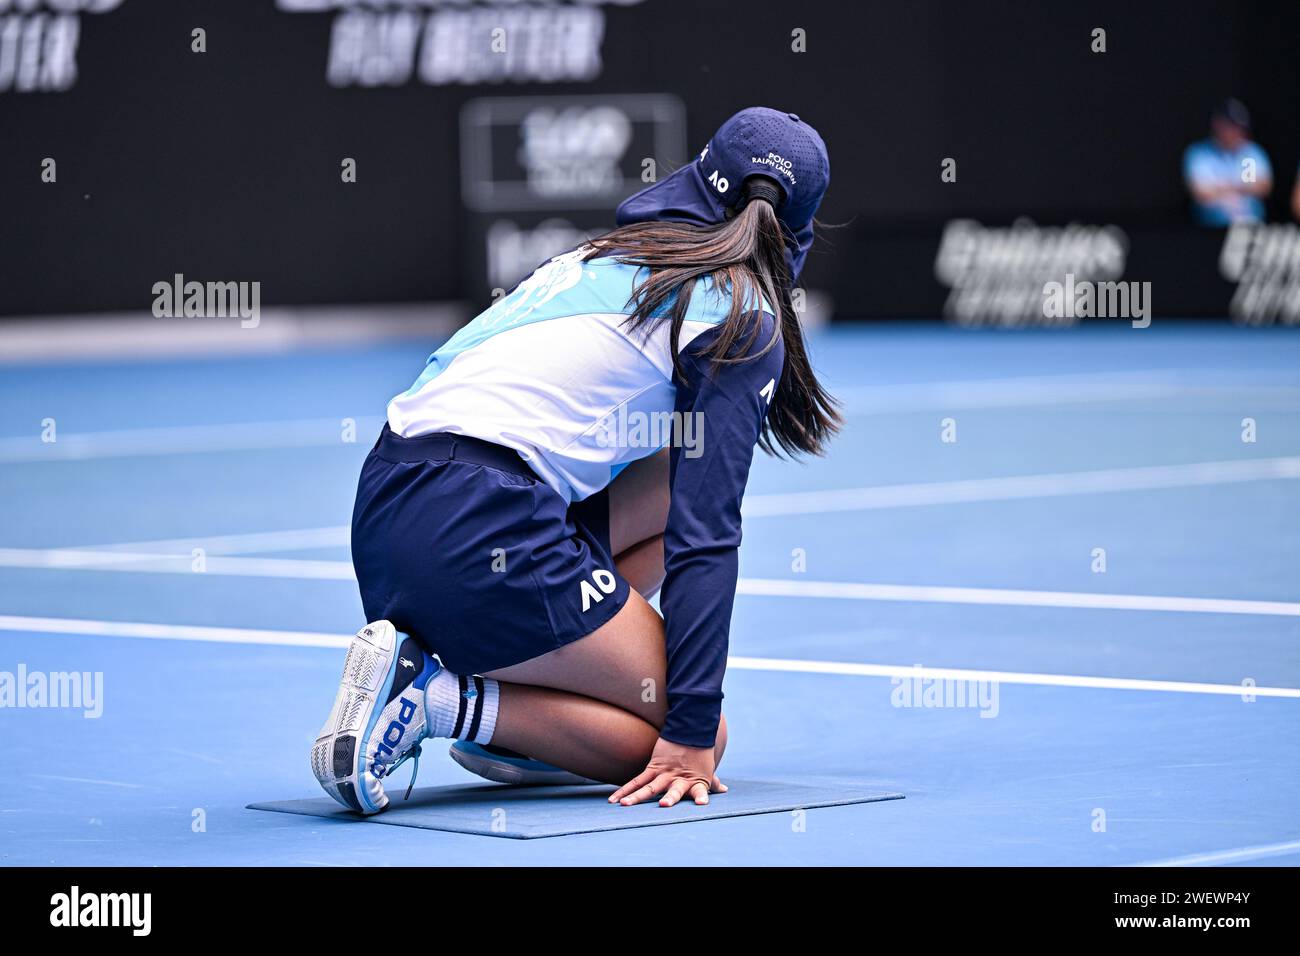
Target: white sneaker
[(378, 720)]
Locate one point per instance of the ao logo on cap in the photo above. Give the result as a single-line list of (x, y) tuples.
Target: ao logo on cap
[(720, 183)]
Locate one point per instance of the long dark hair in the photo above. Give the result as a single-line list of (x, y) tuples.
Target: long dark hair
[(745, 255)]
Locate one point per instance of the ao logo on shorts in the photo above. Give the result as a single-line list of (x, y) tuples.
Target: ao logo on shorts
[(604, 580)]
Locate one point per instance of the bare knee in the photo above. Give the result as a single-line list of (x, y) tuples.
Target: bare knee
[(634, 753)]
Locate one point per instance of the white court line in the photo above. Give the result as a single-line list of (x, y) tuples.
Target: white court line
[(1001, 677), (1022, 486), (245, 543), (1034, 391), (69, 559), (1238, 855), (234, 635), (1005, 597), (1016, 391), (169, 632), (777, 505), (296, 568), (1025, 391), (187, 439)]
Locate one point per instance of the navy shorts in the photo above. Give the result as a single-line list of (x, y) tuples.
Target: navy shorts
[(458, 543)]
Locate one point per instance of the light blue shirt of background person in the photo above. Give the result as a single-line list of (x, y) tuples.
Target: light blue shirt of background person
[(1208, 165)]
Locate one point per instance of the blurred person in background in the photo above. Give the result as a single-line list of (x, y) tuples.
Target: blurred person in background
[(1228, 175)]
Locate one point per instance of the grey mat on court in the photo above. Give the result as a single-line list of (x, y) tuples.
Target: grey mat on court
[(527, 813)]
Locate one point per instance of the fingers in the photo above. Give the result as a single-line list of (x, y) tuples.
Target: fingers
[(672, 787), (648, 791), (640, 780), (676, 790), (650, 784)]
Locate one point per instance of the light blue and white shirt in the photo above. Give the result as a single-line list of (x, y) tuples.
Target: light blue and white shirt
[(550, 371)]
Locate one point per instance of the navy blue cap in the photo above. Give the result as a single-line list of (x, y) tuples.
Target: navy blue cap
[(755, 142)]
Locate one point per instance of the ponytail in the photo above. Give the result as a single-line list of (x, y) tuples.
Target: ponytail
[(746, 255)]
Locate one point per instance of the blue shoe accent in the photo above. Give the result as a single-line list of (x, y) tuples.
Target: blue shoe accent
[(504, 766)]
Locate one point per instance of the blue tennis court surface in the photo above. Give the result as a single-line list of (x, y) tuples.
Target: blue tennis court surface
[(185, 538)]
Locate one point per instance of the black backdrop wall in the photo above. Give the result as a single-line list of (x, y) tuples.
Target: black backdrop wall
[(225, 165)]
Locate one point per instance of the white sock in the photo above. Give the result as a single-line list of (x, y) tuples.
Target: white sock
[(462, 707)]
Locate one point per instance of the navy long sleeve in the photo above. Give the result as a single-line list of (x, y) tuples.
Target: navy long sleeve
[(727, 403)]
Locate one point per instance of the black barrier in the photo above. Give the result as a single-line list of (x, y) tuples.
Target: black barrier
[(1025, 274), (541, 173), (318, 147)]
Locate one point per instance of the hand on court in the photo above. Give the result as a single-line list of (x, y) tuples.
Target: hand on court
[(674, 771)]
